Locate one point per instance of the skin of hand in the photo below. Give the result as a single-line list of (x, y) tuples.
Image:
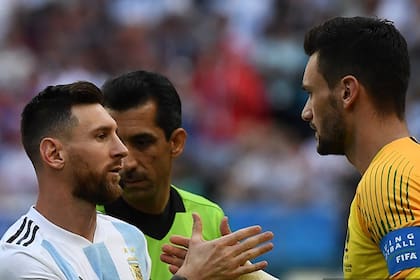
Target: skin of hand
[(220, 259), (175, 255)]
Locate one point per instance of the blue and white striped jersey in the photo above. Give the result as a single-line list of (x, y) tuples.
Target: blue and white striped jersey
[(34, 248)]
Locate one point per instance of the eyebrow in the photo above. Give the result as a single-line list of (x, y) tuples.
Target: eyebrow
[(103, 128), (142, 135)]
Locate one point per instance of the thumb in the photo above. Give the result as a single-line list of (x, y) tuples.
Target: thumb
[(197, 229), (224, 226)]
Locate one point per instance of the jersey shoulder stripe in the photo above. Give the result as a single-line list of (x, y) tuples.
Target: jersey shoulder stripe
[(25, 234)]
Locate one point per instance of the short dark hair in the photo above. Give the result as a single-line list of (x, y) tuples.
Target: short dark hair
[(132, 89), (371, 49), (49, 113)]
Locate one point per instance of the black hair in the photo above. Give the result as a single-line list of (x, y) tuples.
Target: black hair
[(132, 89), (370, 49), (48, 114)]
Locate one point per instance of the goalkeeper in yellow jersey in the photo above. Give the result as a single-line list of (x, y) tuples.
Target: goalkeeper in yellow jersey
[(356, 79)]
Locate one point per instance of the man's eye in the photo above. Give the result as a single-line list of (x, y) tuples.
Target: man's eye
[(142, 143), (101, 136)]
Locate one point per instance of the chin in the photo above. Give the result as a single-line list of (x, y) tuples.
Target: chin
[(112, 192), (323, 149), (139, 195), (109, 198)]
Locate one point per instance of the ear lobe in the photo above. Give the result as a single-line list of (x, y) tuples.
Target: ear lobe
[(52, 152), (177, 140)]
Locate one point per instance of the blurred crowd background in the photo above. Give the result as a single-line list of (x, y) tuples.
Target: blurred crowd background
[(237, 65)]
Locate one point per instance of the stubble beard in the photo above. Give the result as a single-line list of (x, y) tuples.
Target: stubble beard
[(332, 140), (331, 144), (92, 186)]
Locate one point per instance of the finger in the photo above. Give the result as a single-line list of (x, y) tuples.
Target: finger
[(251, 267), (180, 240), (239, 235), (253, 253), (255, 240), (173, 269), (224, 226), (178, 252), (197, 229), (171, 260)]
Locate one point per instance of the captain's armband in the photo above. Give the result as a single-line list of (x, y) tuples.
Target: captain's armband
[(401, 249)]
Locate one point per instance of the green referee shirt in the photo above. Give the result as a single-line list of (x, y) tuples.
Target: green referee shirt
[(176, 219)]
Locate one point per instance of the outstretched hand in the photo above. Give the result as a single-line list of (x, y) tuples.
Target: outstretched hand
[(219, 259), (174, 254)]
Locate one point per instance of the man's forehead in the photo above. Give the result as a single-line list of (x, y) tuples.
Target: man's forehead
[(92, 115), (310, 70)]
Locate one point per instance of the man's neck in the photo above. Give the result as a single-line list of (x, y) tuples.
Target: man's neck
[(371, 137), (149, 205), (71, 214)]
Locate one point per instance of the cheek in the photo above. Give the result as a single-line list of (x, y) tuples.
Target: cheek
[(149, 157), (94, 152), (320, 109), (145, 159), (161, 161)]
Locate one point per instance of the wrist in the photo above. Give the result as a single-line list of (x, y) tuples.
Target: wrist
[(178, 277)]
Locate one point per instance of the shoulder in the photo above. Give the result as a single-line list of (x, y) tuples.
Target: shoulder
[(24, 233), (396, 166), (17, 261), (12, 254), (111, 224), (402, 155), (105, 220), (192, 200), (387, 195)]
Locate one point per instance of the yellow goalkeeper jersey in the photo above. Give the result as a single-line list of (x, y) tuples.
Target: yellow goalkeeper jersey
[(383, 235)]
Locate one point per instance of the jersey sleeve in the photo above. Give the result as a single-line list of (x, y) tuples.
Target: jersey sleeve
[(15, 265), (389, 212)]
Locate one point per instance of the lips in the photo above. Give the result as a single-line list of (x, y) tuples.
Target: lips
[(133, 181), (115, 170)]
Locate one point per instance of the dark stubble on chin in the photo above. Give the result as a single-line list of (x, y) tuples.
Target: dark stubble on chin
[(92, 186)]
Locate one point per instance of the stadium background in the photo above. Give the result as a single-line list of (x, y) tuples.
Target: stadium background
[(237, 65)]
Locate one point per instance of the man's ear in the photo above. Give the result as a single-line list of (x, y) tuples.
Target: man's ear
[(52, 153), (177, 141), (350, 89)]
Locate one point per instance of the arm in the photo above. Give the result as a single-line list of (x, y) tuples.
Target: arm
[(222, 258)]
